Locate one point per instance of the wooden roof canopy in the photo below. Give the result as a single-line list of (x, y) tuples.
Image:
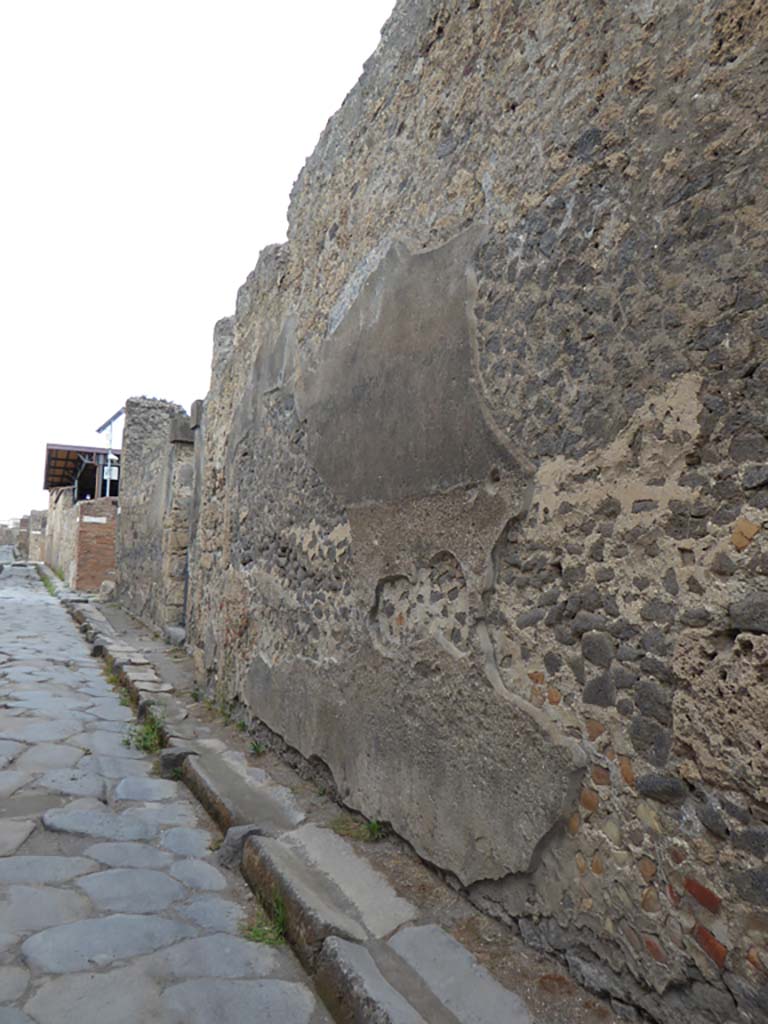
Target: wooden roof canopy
[(62, 462)]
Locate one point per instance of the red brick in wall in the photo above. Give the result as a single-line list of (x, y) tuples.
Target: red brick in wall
[(95, 545)]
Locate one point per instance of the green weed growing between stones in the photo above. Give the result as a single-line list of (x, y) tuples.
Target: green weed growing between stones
[(269, 930), (47, 583), (363, 831), (147, 735)]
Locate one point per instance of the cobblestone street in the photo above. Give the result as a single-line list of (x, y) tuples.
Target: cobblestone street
[(112, 907)]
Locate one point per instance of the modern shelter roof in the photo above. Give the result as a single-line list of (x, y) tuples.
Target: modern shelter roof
[(62, 462)]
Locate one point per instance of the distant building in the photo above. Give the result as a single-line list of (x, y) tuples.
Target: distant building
[(83, 485), (36, 538)]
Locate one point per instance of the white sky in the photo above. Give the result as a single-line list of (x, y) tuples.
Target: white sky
[(147, 149)]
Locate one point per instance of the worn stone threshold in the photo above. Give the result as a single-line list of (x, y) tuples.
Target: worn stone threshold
[(376, 956)]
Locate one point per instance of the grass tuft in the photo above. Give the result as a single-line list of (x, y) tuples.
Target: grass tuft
[(269, 928), (363, 831), (47, 583), (147, 735)]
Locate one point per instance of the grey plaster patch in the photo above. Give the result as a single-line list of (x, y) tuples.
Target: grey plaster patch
[(131, 890), (122, 996), (26, 908), (214, 956), (100, 941), (214, 914), (45, 757), (400, 366), (188, 842), (146, 789), (129, 855), (13, 834), (232, 1002), (40, 870), (101, 824), (198, 874)]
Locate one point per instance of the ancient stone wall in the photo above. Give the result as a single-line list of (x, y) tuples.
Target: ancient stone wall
[(482, 503), (8, 535), (61, 534), (22, 537), (95, 554), (155, 493), (37, 526), (80, 539)]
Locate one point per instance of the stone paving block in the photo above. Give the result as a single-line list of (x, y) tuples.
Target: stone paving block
[(73, 782), (110, 710), (10, 1015), (146, 789), (27, 908), (115, 767), (42, 870), (177, 813), (107, 726), (214, 914), (216, 956), (190, 842), (131, 890), (10, 781), (129, 855), (45, 757), (100, 941), (100, 741), (13, 983), (39, 730), (101, 824), (122, 996), (198, 874), (13, 834), (9, 751), (233, 1002)]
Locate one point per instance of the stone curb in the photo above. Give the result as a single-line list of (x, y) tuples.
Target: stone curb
[(341, 917), (215, 801)]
